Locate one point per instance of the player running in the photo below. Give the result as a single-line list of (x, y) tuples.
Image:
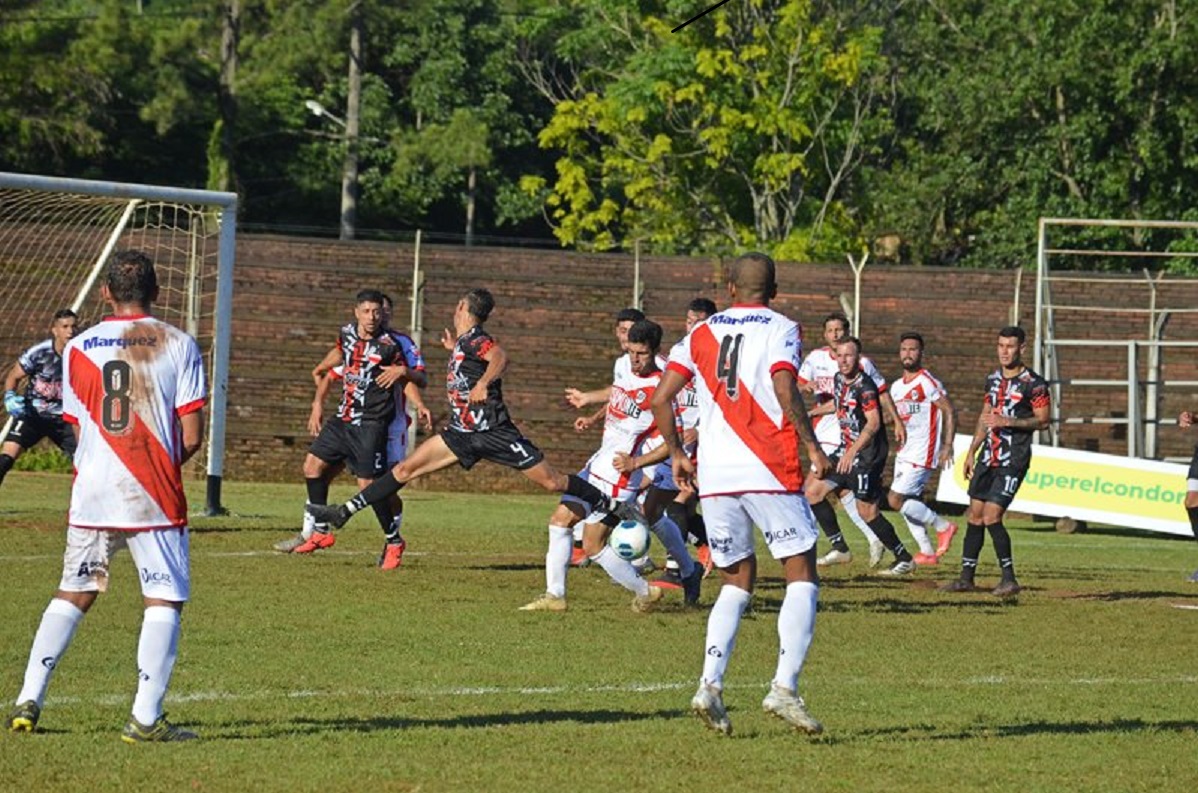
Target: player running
[(37, 413), (480, 427), (930, 420)]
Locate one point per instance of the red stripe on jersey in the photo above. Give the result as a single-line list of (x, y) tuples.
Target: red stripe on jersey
[(933, 432), (776, 447), (784, 366), (142, 454), (69, 419), (678, 368), (190, 407)]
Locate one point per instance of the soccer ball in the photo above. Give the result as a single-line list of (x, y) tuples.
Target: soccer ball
[(630, 540)]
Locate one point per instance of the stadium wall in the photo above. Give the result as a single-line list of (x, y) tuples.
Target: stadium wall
[(554, 318)]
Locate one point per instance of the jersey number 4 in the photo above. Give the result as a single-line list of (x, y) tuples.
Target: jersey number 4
[(728, 366), (115, 414)]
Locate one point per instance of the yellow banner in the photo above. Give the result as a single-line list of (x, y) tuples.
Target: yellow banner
[(1102, 488)]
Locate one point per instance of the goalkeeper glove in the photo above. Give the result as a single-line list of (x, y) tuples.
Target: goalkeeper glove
[(14, 404)]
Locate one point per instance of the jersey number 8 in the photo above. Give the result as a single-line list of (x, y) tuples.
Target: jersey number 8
[(115, 414)]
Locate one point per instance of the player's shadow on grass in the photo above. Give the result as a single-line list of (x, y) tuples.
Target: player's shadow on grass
[(508, 567), (302, 726), (768, 605), (1131, 594), (928, 732)]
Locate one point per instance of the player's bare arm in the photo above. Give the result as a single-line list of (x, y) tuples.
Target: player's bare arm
[(14, 377), (786, 389), (950, 430), (496, 360), (1186, 419), (192, 426), (627, 463), (316, 414), (332, 359), (662, 405), (822, 409), (979, 435), (900, 429), (423, 414), (580, 399), (400, 374)]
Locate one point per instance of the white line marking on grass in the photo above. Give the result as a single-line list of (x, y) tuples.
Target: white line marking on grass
[(621, 688)]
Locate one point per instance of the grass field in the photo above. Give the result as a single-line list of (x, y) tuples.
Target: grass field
[(325, 674)]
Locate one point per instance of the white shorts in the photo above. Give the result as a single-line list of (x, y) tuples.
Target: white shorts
[(827, 433), (785, 520), (607, 489), (910, 479), (160, 555)]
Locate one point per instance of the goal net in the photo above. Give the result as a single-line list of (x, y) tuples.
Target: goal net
[(56, 236)]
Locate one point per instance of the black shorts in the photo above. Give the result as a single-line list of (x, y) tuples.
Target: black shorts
[(504, 445), (864, 483), (996, 485), (28, 430), (362, 447), (1193, 473)]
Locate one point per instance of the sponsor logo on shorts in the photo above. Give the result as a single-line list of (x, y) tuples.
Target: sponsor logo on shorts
[(153, 577), (789, 533), (89, 569), (720, 544)]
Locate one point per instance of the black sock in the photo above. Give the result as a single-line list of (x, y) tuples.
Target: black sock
[(889, 537), (384, 514), (1002, 548), (376, 492), (971, 549), (318, 490), (697, 528), (826, 517), (677, 513), (6, 461), (580, 488), (1191, 511)]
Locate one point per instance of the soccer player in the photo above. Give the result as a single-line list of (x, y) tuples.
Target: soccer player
[(37, 413), (861, 457), (480, 426), (332, 369), (628, 429), (930, 420), (1185, 421), (744, 362), (358, 435), (1016, 405), (815, 376), (133, 387)]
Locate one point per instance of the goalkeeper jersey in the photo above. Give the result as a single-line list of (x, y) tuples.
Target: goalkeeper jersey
[(126, 382)]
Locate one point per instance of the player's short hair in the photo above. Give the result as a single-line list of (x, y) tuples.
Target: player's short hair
[(645, 331), (64, 313), (387, 301), (131, 277), (629, 315), (702, 305), (840, 317), (369, 296), (1013, 332), (480, 303), (856, 342), (912, 335)]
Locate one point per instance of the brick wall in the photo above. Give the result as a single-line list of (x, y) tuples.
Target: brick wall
[(554, 316)]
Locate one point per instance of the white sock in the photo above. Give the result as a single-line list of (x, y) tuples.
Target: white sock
[(59, 621), (309, 525), (156, 653), (670, 535), (722, 626), (577, 530), (850, 508), (914, 512), (796, 628), (392, 533), (557, 559), (621, 571)]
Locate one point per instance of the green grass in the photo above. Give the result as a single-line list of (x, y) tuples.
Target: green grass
[(324, 674)]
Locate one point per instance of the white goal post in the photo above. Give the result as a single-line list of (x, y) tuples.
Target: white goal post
[(56, 235)]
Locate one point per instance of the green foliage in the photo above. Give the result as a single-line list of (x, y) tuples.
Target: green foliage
[(428, 678), (744, 130), (43, 457)]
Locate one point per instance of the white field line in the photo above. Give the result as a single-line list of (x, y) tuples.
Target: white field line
[(475, 692)]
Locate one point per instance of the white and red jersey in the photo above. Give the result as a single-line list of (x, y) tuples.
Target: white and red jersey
[(628, 427), (126, 382), (819, 370), (915, 396), (749, 444)]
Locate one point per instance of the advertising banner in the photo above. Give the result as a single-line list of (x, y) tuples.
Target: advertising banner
[(1101, 488)]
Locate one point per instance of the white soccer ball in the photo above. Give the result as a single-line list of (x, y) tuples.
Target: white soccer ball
[(630, 540)]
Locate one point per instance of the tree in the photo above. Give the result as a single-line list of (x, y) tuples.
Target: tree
[(744, 129)]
